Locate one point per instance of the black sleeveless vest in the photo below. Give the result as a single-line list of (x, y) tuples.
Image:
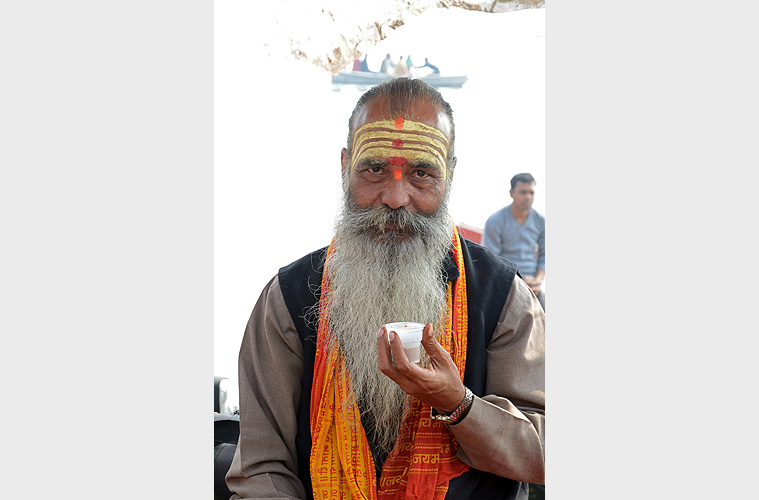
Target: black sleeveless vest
[(489, 279)]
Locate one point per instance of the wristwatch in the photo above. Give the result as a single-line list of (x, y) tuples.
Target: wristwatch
[(457, 414)]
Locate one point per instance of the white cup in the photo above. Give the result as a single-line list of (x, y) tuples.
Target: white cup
[(411, 338)]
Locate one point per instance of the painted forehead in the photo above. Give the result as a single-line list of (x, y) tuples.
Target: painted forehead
[(399, 142)]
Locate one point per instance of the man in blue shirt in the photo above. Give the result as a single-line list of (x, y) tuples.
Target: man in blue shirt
[(518, 233)]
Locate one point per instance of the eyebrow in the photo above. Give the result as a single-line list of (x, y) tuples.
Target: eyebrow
[(424, 164), (371, 160)]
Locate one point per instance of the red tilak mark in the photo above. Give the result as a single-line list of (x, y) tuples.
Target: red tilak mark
[(398, 161), (397, 144), (399, 122), (397, 173)]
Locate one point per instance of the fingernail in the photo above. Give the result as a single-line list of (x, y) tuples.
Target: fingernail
[(390, 336)]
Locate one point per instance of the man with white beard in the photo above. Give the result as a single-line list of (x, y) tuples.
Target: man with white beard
[(325, 410)]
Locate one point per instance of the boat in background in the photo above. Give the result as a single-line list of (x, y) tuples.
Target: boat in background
[(370, 79)]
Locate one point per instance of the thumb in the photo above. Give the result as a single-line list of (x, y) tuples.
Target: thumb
[(432, 346)]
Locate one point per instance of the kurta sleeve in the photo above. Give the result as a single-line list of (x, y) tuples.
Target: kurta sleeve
[(270, 369), (503, 432)]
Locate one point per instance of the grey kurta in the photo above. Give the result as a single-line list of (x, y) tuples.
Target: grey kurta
[(503, 432)]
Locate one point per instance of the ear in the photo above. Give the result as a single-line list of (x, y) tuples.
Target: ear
[(344, 160), (344, 166), (451, 169)]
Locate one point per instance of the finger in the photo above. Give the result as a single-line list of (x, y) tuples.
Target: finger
[(400, 371), (397, 347), (389, 341), (383, 353), (438, 355)]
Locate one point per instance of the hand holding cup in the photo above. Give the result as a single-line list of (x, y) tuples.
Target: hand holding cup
[(437, 384)]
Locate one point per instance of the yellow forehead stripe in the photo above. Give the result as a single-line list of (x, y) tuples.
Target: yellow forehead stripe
[(414, 141), (409, 126)]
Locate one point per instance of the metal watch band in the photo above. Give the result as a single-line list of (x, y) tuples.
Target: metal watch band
[(458, 413)]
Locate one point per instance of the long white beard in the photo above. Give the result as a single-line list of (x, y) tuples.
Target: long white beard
[(380, 277)]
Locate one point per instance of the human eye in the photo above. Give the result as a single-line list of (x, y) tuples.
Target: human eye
[(372, 168), (425, 171), (373, 165)]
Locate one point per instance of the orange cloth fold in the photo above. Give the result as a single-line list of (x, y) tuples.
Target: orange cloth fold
[(423, 459)]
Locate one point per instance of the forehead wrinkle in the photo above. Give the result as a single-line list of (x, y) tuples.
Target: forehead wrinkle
[(405, 136), (413, 128), (410, 127), (412, 144), (419, 142), (415, 140)]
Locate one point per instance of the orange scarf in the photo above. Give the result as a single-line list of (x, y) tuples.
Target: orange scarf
[(423, 459)]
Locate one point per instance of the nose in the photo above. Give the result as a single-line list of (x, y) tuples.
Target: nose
[(395, 195)]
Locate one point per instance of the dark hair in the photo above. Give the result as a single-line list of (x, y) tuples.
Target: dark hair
[(522, 178), (399, 93)]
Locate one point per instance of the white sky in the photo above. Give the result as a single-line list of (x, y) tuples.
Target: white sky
[(279, 127)]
